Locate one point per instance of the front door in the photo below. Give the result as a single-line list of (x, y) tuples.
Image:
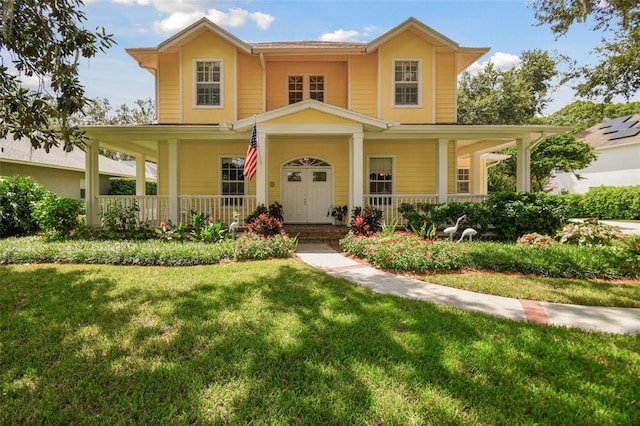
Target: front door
[(307, 191)]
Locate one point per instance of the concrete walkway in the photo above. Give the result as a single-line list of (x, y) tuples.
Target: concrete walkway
[(611, 320)]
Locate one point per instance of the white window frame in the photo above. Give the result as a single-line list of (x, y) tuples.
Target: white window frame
[(223, 181), (306, 86), (393, 180), (459, 181), (220, 83), (418, 83)]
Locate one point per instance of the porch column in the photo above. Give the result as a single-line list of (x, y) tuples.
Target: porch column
[(173, 180), (92, 182), (261, 171), (141, 175), (523, 165), (476, 173), (356, 164), (443, 184)]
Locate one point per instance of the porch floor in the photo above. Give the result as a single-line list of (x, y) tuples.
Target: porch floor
[(316, 233)]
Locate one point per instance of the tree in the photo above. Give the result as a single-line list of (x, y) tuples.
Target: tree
[(43, 39), (584, 114), (514, 96), (618, 71), (556, 153)]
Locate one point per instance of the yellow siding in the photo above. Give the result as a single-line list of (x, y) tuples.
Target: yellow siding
[(208, 46), (414, 162), (445, 88), (309, 117), (364, 84), (407, 46), (169, 89), (332, 150), (200, 162), (249, 86), (335, 80)]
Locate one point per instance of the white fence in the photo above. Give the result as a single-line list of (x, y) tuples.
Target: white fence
[(154, 209)]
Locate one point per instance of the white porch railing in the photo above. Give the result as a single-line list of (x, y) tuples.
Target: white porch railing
[(220, 207), (152, 209), (467, 198), (389, 204)]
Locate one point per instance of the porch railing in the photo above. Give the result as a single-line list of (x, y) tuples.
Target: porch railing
[(389, 203), (220, 207), (154, 209)]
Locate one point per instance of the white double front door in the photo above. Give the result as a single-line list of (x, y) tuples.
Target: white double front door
[(307, 194)]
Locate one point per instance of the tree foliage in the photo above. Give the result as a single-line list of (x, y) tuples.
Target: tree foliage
[(513, 96), (618, 71), (584, 114), (99, 112), (555, 153), (44, 39)]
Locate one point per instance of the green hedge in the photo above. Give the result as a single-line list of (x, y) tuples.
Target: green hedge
[(127, 186), (609, 202)]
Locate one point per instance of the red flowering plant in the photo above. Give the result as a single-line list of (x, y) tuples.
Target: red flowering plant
[(367, 221), (266, 226)]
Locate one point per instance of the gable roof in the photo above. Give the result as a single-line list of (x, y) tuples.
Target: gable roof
[(615, 132), (147, 56), (311, 104), (20, 151)]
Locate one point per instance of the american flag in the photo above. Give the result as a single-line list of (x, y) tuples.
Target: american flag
[(251, 162)]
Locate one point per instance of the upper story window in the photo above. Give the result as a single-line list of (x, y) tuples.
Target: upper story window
[(208, 82), (302, 87), (406, 80)]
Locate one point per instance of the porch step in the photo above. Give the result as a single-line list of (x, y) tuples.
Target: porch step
[(316, 233)]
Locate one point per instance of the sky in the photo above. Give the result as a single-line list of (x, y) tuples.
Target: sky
[(508, 27)]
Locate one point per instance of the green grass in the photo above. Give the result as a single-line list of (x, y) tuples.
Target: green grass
[(558, 290), (277, 342)]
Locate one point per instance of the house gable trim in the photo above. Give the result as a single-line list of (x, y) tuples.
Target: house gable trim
[(197, 26), (438, 39)]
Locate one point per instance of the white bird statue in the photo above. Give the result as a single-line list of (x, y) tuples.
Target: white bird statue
[(233, 228), (470, 232), (453, 229)]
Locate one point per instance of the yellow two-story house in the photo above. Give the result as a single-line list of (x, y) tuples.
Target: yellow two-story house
[(337, 123)]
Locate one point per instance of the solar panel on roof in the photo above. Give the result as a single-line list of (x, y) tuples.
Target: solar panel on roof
[(614, 122), (621, 126), (627, 133)]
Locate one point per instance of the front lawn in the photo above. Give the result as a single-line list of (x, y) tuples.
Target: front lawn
[(278, 342)]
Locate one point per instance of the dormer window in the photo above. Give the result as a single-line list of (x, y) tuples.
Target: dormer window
[(302, 87), (208, 82), (406, 82)]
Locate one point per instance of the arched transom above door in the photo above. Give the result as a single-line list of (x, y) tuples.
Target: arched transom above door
[(307, 162)]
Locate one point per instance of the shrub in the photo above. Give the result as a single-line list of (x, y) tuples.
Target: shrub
[(58, 216), (266, 226), (517, 213), (587, 234), (127, 186), (253, 246), (607, 202), (535, 240), (18, 195), (274, 210), (366, 221), (121, 221), (444, 215), (205, 228)]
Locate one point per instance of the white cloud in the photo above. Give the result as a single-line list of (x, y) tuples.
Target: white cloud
[(182, 13), (502, 61), (340, 35)]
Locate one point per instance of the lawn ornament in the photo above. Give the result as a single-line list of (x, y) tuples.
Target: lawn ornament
[(453, 229), (470, 232), (233, 228)]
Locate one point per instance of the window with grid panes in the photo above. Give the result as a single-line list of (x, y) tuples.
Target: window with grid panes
[(462, 183), (305, 87), (380, 180), (232, 180), (208, 82), (406, 82)]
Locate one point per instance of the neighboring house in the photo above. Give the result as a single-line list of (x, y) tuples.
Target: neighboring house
[(338, 123), (58, 171), (617, 143)]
